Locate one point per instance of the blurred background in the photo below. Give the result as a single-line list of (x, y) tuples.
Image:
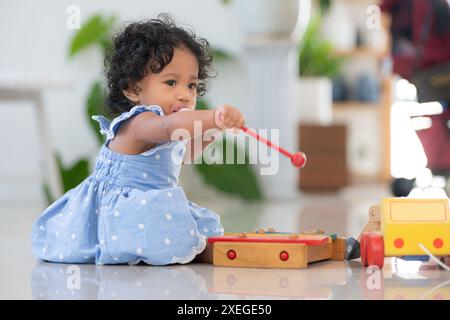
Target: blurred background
[(345, 81)]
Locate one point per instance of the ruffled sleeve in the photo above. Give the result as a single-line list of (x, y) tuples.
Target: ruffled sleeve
[(104, 124), (110, 128)]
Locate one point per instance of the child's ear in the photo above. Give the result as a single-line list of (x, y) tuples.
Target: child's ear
[(132, 93)]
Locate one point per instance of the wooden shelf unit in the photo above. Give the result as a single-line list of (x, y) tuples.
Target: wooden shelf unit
[(382, 107)]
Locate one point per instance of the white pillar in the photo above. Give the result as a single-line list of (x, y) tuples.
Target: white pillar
[(273, 68)]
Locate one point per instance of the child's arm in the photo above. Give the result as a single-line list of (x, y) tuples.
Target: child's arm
[(197, 145), (151, 128)]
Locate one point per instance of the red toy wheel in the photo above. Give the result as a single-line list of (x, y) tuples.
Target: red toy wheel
[(363, 248), (375, 250)]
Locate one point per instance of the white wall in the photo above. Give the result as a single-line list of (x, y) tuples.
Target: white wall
[(34, 38)]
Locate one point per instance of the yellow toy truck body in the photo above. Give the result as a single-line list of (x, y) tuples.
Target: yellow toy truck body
[(406, 223)]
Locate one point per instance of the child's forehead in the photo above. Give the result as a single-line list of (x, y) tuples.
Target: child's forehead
[(183, 63), (179, 74), (182, 55)]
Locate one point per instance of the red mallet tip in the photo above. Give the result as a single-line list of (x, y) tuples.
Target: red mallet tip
[(299, 159)]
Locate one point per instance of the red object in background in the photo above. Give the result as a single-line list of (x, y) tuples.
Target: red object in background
[(436, 142), (408, 21)]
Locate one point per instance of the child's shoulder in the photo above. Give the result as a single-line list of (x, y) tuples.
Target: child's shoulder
[(126, 141), (141, 121), (143, 116), (139, 115)]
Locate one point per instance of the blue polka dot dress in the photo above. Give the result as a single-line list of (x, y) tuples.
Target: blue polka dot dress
[(130, 209)]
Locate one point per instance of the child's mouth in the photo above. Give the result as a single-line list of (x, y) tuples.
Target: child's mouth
[(181, 109)]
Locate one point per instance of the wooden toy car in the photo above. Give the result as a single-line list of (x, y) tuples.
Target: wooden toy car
[(407, 227), (275, 249)]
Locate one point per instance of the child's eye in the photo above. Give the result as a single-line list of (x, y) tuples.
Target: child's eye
[(192, 85), (170, 82)]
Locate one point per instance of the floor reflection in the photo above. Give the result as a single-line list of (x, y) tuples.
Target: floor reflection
[(316, 282), (64, 281), (405, 280), (322, 280)]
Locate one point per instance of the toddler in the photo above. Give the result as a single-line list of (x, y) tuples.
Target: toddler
[(131, 209)]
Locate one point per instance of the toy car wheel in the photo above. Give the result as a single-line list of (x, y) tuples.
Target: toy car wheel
[(375, 250), (363, 248)]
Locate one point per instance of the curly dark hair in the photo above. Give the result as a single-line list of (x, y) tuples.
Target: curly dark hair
[(148, 46)]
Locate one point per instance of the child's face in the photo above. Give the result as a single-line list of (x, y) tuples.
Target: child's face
[(174, 88)]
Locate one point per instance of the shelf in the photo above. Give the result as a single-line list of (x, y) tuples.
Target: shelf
[(379, 109), (356, 106), (360, 52), (365, 178)]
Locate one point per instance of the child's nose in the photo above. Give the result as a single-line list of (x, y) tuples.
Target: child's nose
[(183, 95)]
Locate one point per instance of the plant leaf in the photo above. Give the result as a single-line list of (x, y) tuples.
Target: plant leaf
[(324, 5), (235, 179), (316, 55), (96, 31), (221, 55), (202, 105), (71, 176), (95, 106)]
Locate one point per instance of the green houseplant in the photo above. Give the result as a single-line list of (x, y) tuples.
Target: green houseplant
[(234, 179), (317, 67), (316, 54)]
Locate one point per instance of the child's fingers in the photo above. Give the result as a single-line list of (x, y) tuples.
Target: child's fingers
[(235, 119), (238, 125), (219, 114), (230, 121), (241, 122), (228, 114), (230, 117)]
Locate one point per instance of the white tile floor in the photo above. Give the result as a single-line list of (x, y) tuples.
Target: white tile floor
[(23, 277)]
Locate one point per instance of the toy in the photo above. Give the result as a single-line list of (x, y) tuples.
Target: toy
[(407, 228), (270, 249), (374, 221), (298, 159)]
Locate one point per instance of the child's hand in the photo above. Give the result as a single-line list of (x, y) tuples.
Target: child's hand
[(227, 116)]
